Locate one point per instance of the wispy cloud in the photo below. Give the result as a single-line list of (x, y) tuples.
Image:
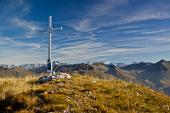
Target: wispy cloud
[(24, 24), (9, 41), (104, 8), (113, 12), (89, 51), (30, 27), (153, 10), (15, 8)]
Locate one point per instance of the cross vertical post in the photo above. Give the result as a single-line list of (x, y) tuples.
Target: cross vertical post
[(50, 30)]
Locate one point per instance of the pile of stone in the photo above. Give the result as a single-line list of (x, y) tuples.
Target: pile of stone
[(53, 77)]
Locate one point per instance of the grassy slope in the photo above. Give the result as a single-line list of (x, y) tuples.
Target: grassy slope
[(82, 94)]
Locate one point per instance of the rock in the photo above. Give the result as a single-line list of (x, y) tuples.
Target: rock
[(63, 75), (54, 77), (44, 79)]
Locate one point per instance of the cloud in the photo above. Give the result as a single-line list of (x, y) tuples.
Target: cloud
[(15, 52), (105, 7), (84, 25), (150, 11), (90, 50), (29, 26), (20, 58), (24, 24), (14, 16), (117, 12), (9, 41), (15, 8), (90, 22)]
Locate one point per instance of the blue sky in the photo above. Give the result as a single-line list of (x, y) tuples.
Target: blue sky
[(93, 30)]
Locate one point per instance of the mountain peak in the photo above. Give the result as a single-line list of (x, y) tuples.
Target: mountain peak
[(161, 61)]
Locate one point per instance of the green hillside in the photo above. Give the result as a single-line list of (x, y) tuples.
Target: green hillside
[(84, 94)]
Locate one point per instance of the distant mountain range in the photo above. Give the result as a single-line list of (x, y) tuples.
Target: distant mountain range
[(153, 75)]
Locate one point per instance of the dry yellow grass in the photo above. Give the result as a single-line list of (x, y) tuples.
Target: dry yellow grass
[(12, 86), (80, 94)]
